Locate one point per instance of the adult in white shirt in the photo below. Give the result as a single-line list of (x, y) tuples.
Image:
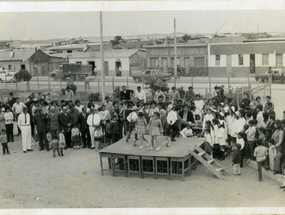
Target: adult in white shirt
[(199, 103), (78, 106), (238, 125), (25, 126), (157, 94), (93, 120), (8, 116), (140, 94), (17, 108)]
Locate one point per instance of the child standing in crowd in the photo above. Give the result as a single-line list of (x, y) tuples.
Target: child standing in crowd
[(114, 129), (236, 159), (98, 136), (132, 118), (240, 140), (249, 146), (187, 131), (4, 142), (272, 153), (141, 125), (55, 145), (155, 129), (221, 140), (260, 153), (75, 137), (62, 143), (208, 144), (49, 139)]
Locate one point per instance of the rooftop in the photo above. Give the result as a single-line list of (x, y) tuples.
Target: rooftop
[(19, 54)]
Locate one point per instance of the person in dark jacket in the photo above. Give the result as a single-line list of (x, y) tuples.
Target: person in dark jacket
[(186, 115), (84, 128), (54, 126), (236, 159), (126, 94), (41, 121), (65, 124)]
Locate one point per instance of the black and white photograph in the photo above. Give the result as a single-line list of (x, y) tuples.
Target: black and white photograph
[(142, 107)]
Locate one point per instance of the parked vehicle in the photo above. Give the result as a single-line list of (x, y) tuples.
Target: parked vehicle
[(7, 76), (74, 71), (150, 73), (273, 74)]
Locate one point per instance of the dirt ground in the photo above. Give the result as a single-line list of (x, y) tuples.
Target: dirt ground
[(38, 180)]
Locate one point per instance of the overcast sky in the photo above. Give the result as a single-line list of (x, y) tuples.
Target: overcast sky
[(47, 25)]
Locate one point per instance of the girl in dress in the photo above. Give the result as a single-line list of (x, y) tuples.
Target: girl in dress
[(75, 137), (155, 129), (141, 125)]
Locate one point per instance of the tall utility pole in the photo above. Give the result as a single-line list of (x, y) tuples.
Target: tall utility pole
[(102, 58), (175, 54)]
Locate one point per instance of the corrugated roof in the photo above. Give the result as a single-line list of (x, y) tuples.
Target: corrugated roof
[(115, 53), (19, 55)]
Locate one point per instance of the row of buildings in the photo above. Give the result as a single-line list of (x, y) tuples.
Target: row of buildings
[(233, 59)]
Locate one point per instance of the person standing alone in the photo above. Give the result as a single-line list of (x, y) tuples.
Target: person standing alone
[(25, 127)]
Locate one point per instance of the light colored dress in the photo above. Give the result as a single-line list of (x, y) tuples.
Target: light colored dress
[(155, 127), (141, 126)]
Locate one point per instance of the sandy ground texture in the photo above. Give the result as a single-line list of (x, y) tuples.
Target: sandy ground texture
[(38, 180)]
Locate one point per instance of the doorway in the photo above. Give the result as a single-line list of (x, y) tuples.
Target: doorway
[(23, 66), (279, 62), (252, 63), (92, 63), (118, 67)]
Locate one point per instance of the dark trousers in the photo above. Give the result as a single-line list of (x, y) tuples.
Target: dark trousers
[(131, 127), (216, 151), (175, 130), (259, 169), (43, 142), (121, 126), (249, 150), (5, 148), (54, 133), (67, 135), (86, 139), (9, 132), (33, 129), (242, 155), (115, 138)]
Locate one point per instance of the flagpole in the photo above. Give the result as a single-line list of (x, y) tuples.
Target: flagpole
[(102, 59), (175, 54)]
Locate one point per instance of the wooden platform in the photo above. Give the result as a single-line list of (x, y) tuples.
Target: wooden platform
[(175, 159)]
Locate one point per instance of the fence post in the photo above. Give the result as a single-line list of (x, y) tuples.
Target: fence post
[(60, 84), (237, 100), (192, 81), (113, 84), (210, 85), (142, 83), (48, 83), (229, 83), (16, 85), (98, 84), (127, 82), (207, 94), (264, 92), (6, 83), (38, 85), (248, 82), (270, 89)]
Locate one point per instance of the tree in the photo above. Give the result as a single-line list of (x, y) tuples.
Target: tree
[(23, 75), (186, 37), (155, 84), (116, 41)]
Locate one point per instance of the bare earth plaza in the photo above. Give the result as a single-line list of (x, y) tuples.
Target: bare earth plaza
[(142, 111)]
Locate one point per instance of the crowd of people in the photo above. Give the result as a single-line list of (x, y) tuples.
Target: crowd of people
[(251, 131)]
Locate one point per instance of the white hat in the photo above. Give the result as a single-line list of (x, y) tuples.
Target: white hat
[(233, 108)]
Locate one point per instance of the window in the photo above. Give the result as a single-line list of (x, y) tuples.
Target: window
[(153, 62), (9, 67), (218, 60), (78, 62), (240, 59), (69, 51), (199, 61), (265, 59)]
